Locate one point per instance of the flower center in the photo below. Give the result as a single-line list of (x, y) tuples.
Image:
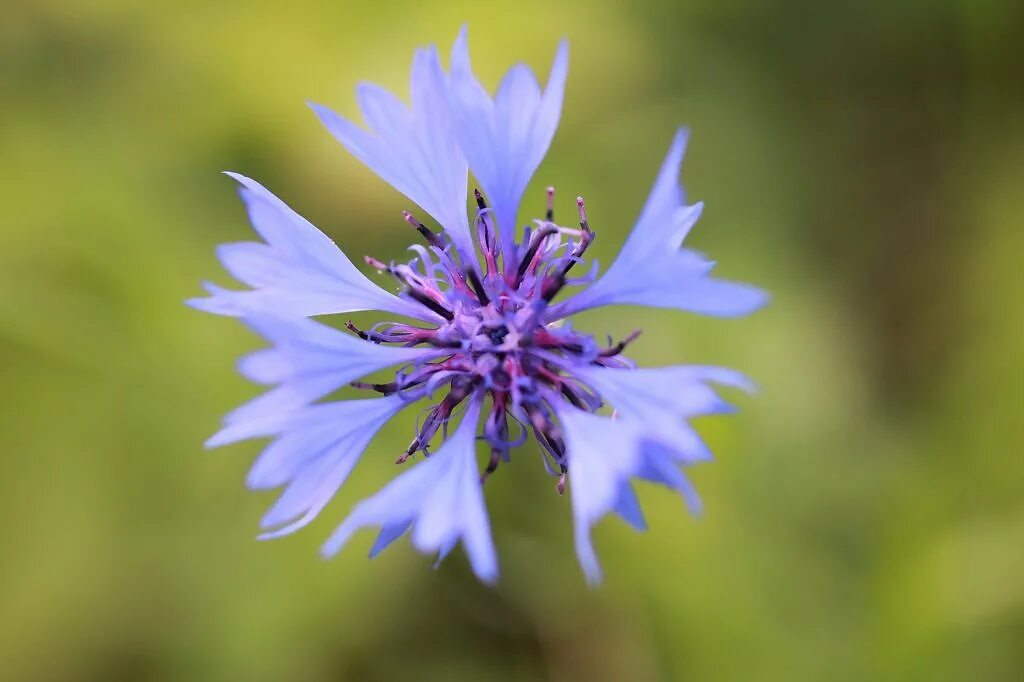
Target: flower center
[(491, 316)]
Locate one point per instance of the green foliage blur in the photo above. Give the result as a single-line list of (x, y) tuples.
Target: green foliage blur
[(865, 515)]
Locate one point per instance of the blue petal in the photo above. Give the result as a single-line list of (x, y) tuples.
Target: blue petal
[(603, 453), (387, 535), (314, 456), (628, 506), (662, 397), (414, 150), (506, 138), (651, 269), (264, 415), (304, 347), (441, 497), (298, 272), (680, 389), (660, 465), (309, 360), (443, 552)]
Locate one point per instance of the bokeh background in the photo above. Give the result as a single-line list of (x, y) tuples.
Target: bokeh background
[(865, 517)]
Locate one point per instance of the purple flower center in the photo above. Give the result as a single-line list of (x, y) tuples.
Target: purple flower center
[(494, 317)]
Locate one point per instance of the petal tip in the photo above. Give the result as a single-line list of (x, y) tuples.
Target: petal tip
[(327, 116), (216, 440)]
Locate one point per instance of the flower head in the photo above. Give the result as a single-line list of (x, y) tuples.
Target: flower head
[(480, 327)]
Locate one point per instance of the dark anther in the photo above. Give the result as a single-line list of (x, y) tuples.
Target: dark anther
[(571, 396), (478, 287), (621, 345), (492, 464), (386, 389), (425, 300), (549, 215), (555, 284), (586, 239), (432, 237), (535, 243), (438, 417), (409, 451), (375, 338), (547, 433), (481, 204), (356, 330), (552, 287), (581, 248)]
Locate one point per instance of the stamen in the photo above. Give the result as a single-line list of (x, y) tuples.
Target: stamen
[(485, 233), (549, 215), (547, 433), (478, 288), (432, 237), (551, 287), (378, 265), (386, 389), (365, 336), (437, 417), (584, 223), (430, 303), (545, 339), (492, 465), (531, 251), (571, 396), (564, 387), (621, 345)]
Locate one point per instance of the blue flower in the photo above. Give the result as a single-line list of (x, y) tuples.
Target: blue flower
[(480, 327)]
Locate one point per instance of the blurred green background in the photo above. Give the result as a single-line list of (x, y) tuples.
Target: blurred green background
[(865, 518)]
